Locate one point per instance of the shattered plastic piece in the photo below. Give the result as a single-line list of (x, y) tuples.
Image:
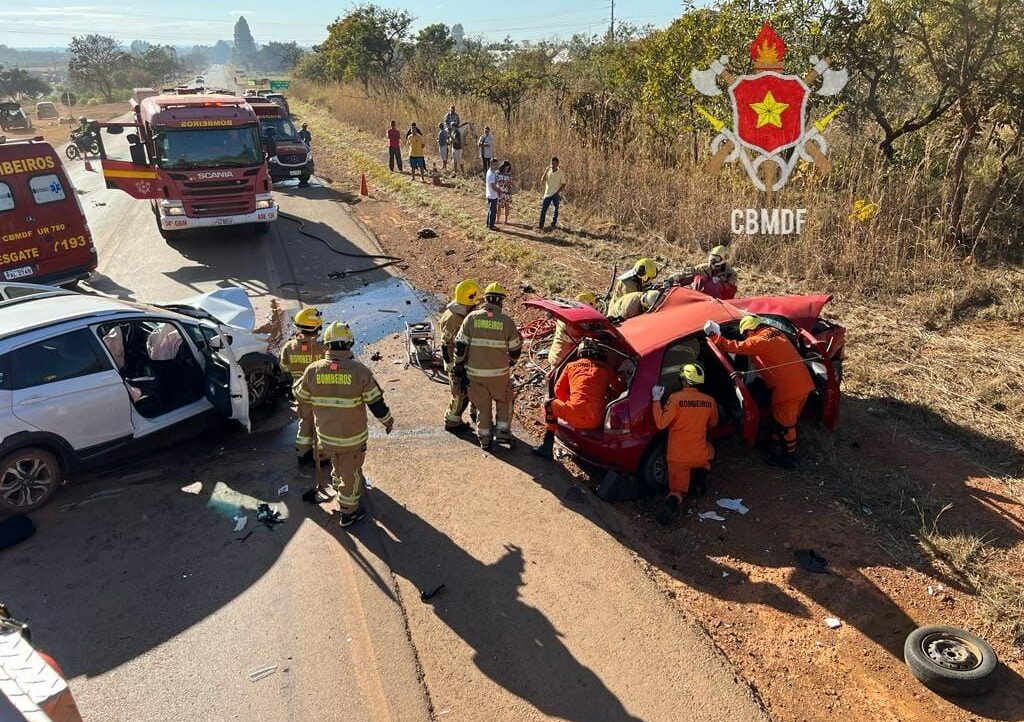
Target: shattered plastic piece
[(283, 490), (725, 574), (376, 356), (269, 517), (733, 505), (193, 488), (259, 673), (240, 522), (810, 561), (712, 515), (833, 623)]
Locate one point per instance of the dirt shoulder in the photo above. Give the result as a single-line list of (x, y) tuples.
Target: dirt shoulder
[(916, 501)]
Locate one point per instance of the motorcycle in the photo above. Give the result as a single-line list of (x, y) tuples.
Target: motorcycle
[(81, 144)]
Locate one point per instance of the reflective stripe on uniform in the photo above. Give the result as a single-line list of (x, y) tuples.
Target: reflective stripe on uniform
[(486, 342), (343, 441), (514, 344), (372, 395), (304, 440), (300, 393), (501, 425), (335, 401), (487, 373)]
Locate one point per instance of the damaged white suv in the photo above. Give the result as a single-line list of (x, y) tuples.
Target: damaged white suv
[(82, 376)]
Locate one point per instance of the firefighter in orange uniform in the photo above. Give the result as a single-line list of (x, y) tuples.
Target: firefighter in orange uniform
[(340, 389), (581, 394), (689, 415), (783, 370)]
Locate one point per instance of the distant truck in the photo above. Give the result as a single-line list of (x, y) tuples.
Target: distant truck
[(294, 159), (140, 94), (44, 236), (200, 160)]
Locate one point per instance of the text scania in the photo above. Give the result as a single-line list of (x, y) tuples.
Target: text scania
[(769, 221), (216, 174)]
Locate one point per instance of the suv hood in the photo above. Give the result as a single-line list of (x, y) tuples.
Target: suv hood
[(291, 147)]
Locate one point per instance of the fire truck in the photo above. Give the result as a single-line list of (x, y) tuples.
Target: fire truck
[(199, 159)]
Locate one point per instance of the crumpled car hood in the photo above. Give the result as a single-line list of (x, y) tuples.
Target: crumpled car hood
[(230, 306)]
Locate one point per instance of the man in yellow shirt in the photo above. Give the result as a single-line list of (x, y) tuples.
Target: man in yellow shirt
[(554, 183), (416, 160)]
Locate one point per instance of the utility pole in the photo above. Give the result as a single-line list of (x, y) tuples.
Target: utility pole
[(611, 27)]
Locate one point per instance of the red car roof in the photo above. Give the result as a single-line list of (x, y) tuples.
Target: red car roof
[(681, 312)]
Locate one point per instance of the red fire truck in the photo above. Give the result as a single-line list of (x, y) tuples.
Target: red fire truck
[(199, 159), (44, 236)]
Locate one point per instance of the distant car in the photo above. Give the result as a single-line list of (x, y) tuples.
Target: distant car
[(84, 376), (649, 350), (46, 109), (200, 80), (279, 99), (12, 117)]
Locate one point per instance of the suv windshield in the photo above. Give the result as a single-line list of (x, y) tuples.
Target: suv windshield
[(213, 148), (284, 128)]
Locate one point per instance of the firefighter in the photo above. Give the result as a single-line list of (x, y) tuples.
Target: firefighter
[(486, 348), (339, 389), (581, 394), (632, 304), (636, 279), (467, 297), (717, 268), (300, 351), (783, 370), (689, 415), (563, 342)]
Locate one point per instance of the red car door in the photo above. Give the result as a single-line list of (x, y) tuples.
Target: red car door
[(822, 367), (751, 417)]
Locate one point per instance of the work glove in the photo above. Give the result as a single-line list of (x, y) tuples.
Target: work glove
[(657, 392), (389, 425), (712, 329)]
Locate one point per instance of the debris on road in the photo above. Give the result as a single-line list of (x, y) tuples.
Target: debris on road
[(259, 673), (267, 516), (833, 622), (247, 535), (810, 561), (710, 516), (376, 356), (195, 487), (733, 505), (240, 522), (283, 491)]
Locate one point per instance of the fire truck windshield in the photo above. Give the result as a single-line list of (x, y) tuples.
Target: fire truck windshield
[(208, 148)]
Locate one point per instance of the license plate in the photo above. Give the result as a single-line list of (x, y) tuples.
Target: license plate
[(295, 172), (13, 273), (223, 221)]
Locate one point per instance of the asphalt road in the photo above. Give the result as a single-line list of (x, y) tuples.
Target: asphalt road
[(158, 610)]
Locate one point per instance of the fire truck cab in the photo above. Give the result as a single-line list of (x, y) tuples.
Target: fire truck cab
[(199, 159)]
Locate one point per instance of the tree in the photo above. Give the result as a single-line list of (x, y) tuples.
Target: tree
[(433, 43), (94, 60), (506, 88), (369, 44), (244, 52), (221, 52), (279, 56), (458, 35), (16, 82)]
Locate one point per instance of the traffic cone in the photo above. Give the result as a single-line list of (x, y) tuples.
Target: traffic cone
[(363, 190)]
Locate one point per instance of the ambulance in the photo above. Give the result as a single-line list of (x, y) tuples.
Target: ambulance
[(44, 236)]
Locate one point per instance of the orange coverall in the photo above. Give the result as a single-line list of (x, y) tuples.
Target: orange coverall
[(689, 415), (581, 393), (783, 370)]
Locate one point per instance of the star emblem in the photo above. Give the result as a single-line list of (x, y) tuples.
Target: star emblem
[(769, 111)]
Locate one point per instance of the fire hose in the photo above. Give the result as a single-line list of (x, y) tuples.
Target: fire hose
[(388, 260)]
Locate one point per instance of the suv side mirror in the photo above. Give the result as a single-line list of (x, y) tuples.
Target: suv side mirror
[(216, 343)]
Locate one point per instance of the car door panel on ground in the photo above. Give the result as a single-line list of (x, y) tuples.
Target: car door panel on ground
[(66, 385)]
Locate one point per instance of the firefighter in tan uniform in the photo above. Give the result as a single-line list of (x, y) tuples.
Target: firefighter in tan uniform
[(339, 389), (467, 298), (487, 346)]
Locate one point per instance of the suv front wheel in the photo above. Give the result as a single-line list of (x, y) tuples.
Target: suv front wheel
[(28, 478)]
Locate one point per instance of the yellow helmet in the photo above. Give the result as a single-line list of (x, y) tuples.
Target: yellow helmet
[(338, 332), (308, 319), (649, 299), (694, 373), (588, 298), (645, 269), (749, 323), (467, 292), (495, 289), (717, 255)]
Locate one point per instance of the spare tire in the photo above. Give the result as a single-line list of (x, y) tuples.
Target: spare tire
[(950, 661)]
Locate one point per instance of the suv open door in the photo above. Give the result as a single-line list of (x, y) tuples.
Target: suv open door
[(225, 382)]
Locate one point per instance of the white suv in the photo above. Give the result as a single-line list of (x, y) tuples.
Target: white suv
[(82, 376)]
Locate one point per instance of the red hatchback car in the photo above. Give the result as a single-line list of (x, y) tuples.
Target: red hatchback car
[(651, 348)]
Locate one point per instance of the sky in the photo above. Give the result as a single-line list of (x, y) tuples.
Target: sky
[(44, 23)]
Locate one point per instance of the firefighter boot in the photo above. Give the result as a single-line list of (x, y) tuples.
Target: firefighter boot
[(669, 509), (350, 519), (546, 448)]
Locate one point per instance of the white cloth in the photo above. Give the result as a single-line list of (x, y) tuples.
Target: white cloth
[(114, 341), (492, 185), (163, 343), (712, 329)]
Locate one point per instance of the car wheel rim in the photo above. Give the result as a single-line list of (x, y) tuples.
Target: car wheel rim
[(25, 481), (952, 652), (257, 384)]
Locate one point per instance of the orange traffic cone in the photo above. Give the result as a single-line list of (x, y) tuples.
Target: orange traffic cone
[(363, 190)]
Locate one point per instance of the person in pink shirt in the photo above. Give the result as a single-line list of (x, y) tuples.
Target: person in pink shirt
[(394, 147)]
